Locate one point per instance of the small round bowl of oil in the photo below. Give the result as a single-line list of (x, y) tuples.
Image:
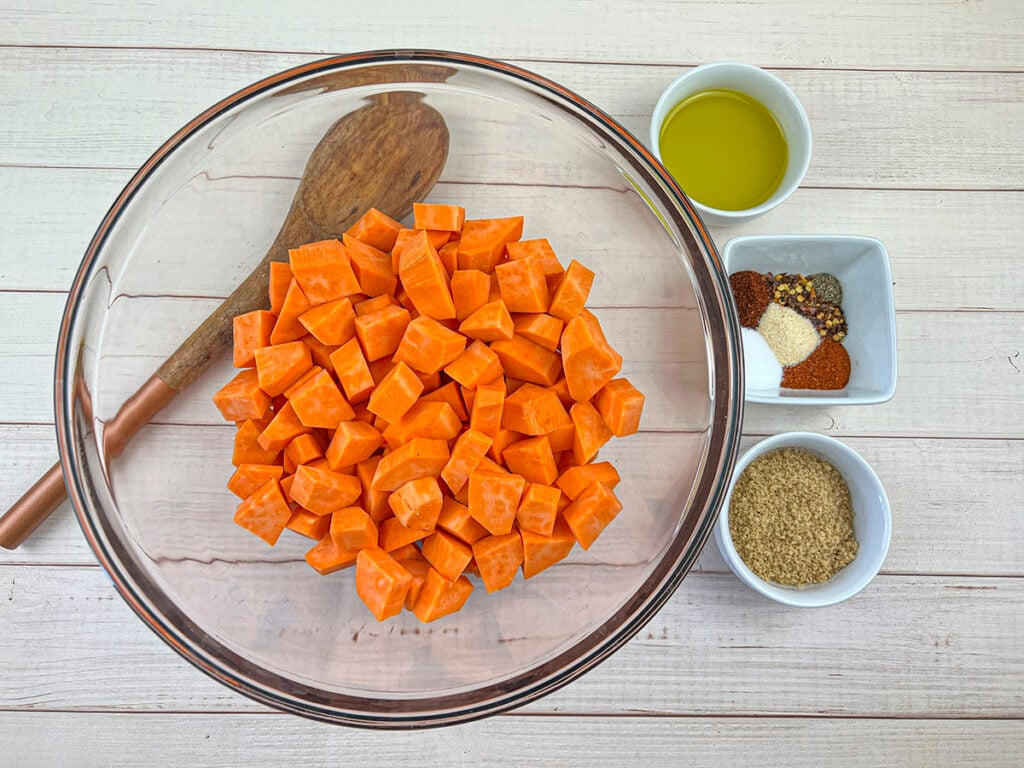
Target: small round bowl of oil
[(734, 137)]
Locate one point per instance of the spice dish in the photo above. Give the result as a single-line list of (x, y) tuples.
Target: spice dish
[(872, 523), (865, 327)]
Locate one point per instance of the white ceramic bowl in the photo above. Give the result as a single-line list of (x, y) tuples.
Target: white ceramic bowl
[(862, 266), (872, 523), (765, 88)]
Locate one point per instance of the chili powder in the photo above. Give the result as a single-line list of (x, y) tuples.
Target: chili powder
[(752, 295), (827, 367)]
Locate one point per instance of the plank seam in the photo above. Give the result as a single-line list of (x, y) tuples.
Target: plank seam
[(529, 59), (458, 182), (633, 715)]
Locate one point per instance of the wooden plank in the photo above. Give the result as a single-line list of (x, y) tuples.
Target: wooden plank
[(53, 212), (970, 119), (51, 216), (257, 741), (800, 33), (29, 325), (978, 351), (908, 658), (943, 646), (941, 355), (28, 452), (950, 500), (943, 525), (934, 266), (213, 250)]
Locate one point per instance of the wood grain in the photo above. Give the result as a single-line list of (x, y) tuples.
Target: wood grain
[(951, 366), (867, 125), (272, 740), (942, 525), (63, 206), (917, 110), (921, 646), (800, 33)]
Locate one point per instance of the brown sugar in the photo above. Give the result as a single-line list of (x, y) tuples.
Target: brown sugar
[(791, 518)]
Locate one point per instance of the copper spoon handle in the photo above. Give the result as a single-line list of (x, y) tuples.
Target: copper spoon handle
[(40, 501), (31, 509)]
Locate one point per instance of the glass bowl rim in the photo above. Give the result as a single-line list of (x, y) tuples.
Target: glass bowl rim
[(490, 698)]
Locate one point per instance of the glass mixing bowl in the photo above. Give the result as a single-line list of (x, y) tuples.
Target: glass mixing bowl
[(192, 224)]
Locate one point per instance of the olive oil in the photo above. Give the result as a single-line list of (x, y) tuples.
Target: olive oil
[(725, 149)]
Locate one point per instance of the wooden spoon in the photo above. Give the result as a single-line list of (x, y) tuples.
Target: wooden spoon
[(386, 155)]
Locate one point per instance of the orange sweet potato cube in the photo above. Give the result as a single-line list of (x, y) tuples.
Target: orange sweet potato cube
[(322, 491), (527, 360), (539, 249), (352, 528), (491, 322), (538, 509), (305, 523), (482, 244), (376, 229), (332, 323), (488, 402), (280, 365), (620, 405), (242, 398), (428, 346), (456, 520), (288, 328), (249, 478), (420, 457), (324, 271), (440, 597), (541, 552), (449, 218), (353, 441), (381, 582), (424, 278), (498, 558), (265, 512), (417, 503), (475, 366), (319, 403), (533, 459), (396, 393), (591, 432), (533, 410), (381, 332), (591, 512), (282, 429), (372, 268), (540, 328), (522, 284), (470, 289), (251, 331), (447, 554), (494, 499), (571, 295)]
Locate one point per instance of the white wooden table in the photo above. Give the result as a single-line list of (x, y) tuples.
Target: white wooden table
[(918, 118)]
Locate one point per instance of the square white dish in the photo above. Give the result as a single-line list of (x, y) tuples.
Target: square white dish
[(862, 266)]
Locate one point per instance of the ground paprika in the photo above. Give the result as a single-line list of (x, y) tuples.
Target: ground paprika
[(827, 367)]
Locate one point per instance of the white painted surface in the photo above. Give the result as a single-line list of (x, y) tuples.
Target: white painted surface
[(917, 111)]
